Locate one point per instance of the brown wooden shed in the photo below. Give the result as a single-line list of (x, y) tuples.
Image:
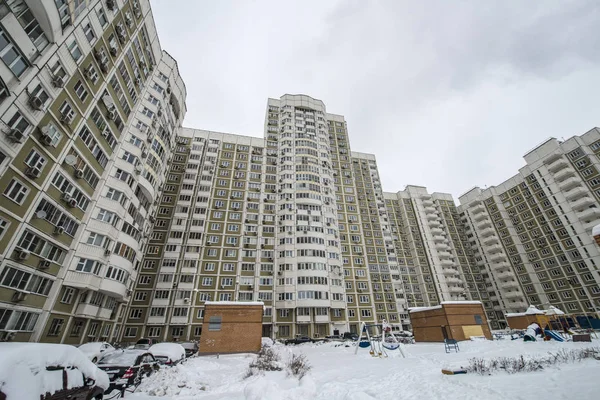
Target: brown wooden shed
[(231, 327), (523, 320), (459, 320)]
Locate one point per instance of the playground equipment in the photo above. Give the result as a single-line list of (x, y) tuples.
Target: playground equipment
[(378, 347)]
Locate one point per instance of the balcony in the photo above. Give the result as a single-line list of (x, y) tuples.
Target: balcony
[(437, 231), (569, 183), (506, 275), (488, 232), (484, 223), (441, 246), (497, 257), (517, 306), (438, 238), (557, 165), (87, 310), (156, 320), (427, 202), (114, 288), (82, 280), (513, 295), (456, 289), (576, 193), (453, 279), (488, 241), (589, 214), (432, 216), (564, 174), (105, 313), (509, 285), (179, 320), (434, 223), (478, 209), (446, 263), (430, 209), (495, 249), (449, 271), (321, 318), (582, 203), (480, 217)]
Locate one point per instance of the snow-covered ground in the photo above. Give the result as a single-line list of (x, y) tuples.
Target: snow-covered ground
[(337, 373)]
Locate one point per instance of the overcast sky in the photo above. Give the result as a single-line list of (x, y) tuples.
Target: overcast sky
[(446, 94)]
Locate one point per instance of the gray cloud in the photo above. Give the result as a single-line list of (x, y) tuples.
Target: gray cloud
[(445, 94)]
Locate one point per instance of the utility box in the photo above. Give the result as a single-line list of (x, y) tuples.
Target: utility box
[(231, 327), (459, 320)]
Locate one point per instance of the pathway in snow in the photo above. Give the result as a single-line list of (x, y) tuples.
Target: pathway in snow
[(337, 373)]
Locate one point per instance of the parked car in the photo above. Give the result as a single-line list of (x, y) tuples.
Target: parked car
[(143, 343), (48, 372), (95, 350), (350, 336), (127, 368), (333, 337), (191, 348), (299, 340), (168, 353)]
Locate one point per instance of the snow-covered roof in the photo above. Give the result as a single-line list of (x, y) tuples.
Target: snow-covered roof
[(596, 230), (462, 302), (23, 373), (515, 314), (419, 309), (235, 303), (532, 310), (554, 311)]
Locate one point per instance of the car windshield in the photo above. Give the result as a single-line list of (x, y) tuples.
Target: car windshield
[(120, 358)]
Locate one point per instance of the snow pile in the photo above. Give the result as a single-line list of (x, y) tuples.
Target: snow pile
[(266, 342), (278, 385), (339, 374), (23, 373), (172, 351)]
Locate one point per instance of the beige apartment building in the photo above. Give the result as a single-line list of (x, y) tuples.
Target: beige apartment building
[(116, 223), (532, 234), (90, 106)]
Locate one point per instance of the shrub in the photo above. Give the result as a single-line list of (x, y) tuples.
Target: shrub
[(267, 360), (298, 366), (514, 365)]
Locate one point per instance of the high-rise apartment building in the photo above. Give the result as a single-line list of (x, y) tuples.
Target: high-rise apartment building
[(116, 223), (90, 106), (532, 233)]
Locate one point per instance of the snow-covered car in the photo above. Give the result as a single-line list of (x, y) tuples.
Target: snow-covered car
[(191, 348), (168, 353), (126, 369), (48, 372), (95, 350)]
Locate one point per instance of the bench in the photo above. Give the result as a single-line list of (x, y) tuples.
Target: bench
[(582, 337), (451, 344)]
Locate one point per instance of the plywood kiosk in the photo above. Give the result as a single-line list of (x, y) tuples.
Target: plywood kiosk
[(459, 320), (231, 327)]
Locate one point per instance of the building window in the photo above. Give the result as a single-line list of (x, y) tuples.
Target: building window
[(35, 160), (89, 33), (4, 224), (80, 91), (11, 56), (56, 327), (19, 123), (16, 191), (177, 331), (67, 296), (130, 332), (75, 51), (214, 323)]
